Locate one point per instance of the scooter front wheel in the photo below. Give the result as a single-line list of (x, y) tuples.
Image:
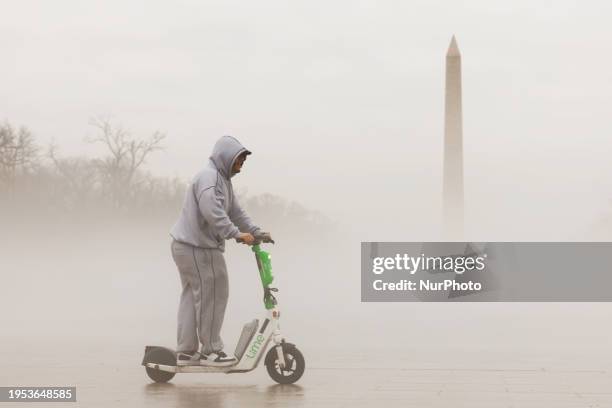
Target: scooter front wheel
[(294, 364)]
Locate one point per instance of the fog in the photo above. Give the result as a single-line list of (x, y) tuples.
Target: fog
[(344, 96), (342, 106)]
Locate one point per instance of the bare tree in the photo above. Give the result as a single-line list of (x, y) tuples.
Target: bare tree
[(80, 177), (125, 156), (18, 153)]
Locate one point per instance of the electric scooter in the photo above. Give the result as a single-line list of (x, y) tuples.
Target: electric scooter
[(283, 361)]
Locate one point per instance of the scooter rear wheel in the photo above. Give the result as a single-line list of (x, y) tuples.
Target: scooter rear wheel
[(163, 356), (294, 364)]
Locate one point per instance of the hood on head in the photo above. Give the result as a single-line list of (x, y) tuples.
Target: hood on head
[(225, 152)]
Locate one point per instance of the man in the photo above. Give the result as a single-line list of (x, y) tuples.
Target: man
[(210, 215)]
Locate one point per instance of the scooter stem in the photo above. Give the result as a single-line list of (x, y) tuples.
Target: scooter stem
[(265, 274)]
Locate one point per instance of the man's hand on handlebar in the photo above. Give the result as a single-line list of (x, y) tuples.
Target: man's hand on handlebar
[(245, 238), (250, 239)]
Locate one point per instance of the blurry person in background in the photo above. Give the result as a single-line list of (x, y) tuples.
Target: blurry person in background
[(210, 215)]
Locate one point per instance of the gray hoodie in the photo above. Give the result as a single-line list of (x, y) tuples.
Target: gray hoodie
[(211, 213)]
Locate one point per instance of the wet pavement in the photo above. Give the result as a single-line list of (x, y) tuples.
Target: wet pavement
[(399, 388), (346, 380)]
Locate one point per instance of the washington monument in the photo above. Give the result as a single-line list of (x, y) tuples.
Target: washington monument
[(452, 192)]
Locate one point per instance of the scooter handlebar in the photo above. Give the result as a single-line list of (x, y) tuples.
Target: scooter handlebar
[(262, 237)]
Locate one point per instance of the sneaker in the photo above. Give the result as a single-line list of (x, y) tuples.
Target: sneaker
[(217, 359), (187, 358)]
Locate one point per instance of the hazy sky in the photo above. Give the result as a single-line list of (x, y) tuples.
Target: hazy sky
[(342, 102)]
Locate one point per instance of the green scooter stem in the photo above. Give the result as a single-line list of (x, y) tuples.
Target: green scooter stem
[(265, 274)]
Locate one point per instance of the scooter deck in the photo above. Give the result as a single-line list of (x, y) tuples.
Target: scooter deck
[(190, 369)]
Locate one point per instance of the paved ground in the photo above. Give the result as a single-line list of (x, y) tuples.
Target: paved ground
[(400, 388), (349, 380)]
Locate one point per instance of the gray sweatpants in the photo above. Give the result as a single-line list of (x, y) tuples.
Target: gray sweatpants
[(203, 298)]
